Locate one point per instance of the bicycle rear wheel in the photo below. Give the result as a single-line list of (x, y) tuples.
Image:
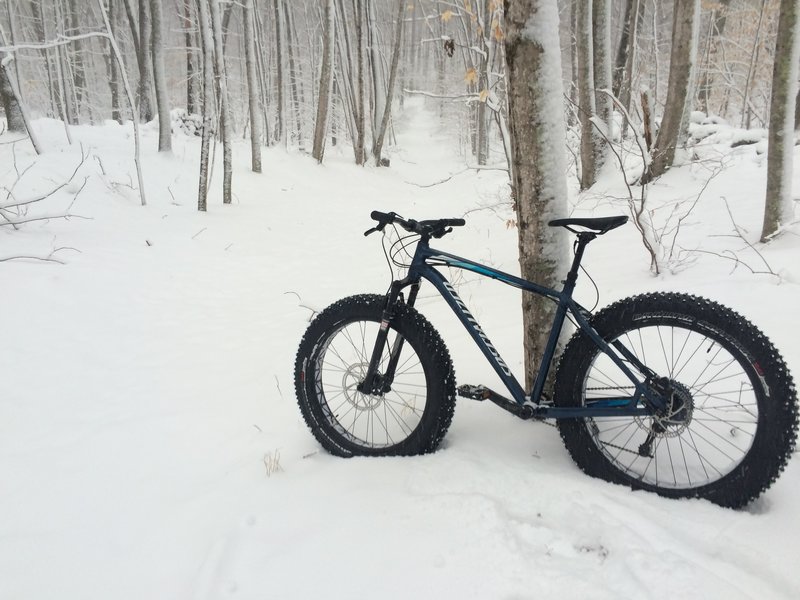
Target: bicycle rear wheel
[(731, 417), (414, 412)]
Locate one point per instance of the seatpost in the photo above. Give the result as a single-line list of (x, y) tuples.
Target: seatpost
[(584, 237)]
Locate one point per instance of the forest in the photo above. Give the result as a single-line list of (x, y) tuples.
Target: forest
[(186, 185)]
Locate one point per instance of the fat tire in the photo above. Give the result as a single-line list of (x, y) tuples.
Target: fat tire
[(777, 423), (430, 349)]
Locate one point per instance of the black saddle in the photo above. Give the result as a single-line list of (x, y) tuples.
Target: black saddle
[(599, 225)]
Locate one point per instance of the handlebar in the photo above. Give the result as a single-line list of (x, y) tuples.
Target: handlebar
[(431, 228)]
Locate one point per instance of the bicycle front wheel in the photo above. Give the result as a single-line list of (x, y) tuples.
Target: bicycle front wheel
[(730, 422), (414, 412)]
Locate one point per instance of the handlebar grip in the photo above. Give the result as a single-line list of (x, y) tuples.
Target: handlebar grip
[(456, 222), (382, 217)]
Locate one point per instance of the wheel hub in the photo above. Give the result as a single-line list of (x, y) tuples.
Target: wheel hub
[(351, 382), (676, 416)]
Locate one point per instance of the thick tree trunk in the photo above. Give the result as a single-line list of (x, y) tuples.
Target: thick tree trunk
[(387, 110), (537, 141), (252, 86), (325, 83), (160, 77), (679, 94), (779, 206)]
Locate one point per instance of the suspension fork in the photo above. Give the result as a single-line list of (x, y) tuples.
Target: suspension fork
[(375, 383)]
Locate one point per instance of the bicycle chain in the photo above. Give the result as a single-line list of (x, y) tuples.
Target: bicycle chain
[(609, 444)]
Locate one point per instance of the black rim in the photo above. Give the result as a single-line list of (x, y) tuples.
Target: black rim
[(711, 419), (368, 420)]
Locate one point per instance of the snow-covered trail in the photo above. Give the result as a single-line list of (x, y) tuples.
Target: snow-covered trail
[(150, 445)]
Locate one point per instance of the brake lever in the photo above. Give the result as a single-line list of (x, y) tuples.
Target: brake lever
[(442, 232), (379, 227)]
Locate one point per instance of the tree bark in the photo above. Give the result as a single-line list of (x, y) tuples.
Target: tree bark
[(590, 144), (12, 108), (113, 66), (252, 86), (325, 83), (679, 94), (207, 40), (387, 110), (719, 17), (191, 66), (537, 144), (778, 209), (280, 124), (359, 145), (146, 112), (160, 77), (226, 123)]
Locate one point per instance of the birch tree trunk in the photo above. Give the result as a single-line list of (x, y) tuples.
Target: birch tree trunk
[(226, 122), (113, 67), (536, 122), (207, 39), (252, 86), (387, 110), (160, 77), (359, 143), (679, 93), (325, 83), (280, 125), (778, 209)]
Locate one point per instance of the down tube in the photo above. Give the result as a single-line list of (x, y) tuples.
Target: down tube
[(474, 329)]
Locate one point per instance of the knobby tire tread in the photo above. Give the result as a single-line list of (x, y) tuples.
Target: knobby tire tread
[(776, 432), (432, 353)]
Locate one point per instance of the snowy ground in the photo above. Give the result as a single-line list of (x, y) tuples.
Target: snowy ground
[(150, 444)]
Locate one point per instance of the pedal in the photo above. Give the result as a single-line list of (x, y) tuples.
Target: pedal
[(474, 392)]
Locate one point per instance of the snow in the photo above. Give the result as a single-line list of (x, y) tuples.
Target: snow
[(150, 443)]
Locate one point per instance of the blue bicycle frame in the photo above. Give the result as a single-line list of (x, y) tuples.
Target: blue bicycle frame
[(643, 401)]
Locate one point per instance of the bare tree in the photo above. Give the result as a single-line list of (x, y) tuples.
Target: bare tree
[(226, 123), (145, 96), (11, 106), (252, 87), (626, 52), (778, 209), (160, 77), (591, 141), (537, 132), (280, 121), (387, 109), (325, 83), (359, 144), (679, 93), (207, 40)]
